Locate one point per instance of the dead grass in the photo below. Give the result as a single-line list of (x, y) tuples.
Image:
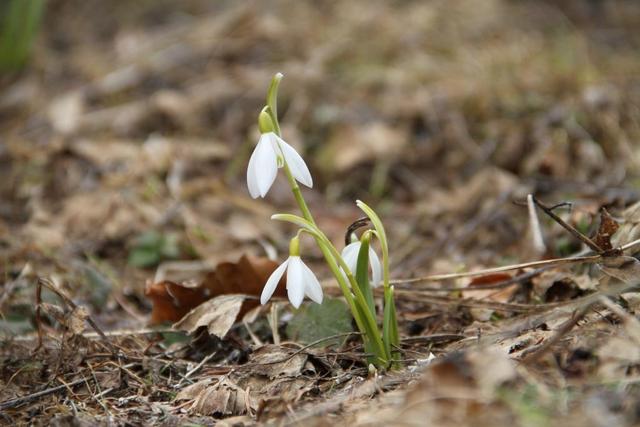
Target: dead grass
[(140, 118)]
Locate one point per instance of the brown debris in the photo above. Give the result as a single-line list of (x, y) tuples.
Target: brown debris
[(139, 118), (171, 301), (217, 315)]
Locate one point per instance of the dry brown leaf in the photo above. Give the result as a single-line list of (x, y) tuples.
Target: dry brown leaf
[(73, 321), (458, 388), (359, 144), (608, 227), (247, 276), (171, 301), (497, 295), (76, 320), (624, 268), (561, 285), (275, 361), (192, 391), (481, 189), (222, 398), (218, 315), (617, 355), (630, 228), (489, 279)]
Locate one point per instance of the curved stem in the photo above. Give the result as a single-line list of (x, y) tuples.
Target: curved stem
[(368, 325)]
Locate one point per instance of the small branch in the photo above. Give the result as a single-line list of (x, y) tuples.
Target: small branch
[(520, 279), (196, 368), (549, 262), (564, 330), (49, 285), (584, 239), (19, 401)]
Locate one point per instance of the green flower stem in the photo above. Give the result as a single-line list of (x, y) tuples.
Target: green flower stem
[(358, 305), (390, 320), (368, 325), (362, 301)]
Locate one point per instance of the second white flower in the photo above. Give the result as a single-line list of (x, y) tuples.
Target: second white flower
[(300, 282)]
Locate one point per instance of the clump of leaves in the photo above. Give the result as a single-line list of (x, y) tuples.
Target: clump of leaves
[(150, 248)]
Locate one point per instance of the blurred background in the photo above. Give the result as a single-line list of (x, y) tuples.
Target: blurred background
[(126, 127)]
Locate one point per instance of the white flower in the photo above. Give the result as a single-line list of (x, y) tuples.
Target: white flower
[(263, 164), (300, 282), (350, 257)]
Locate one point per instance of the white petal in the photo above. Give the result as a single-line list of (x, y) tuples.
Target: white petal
[(295, 281), (296, 164), (376, 268), (272, 282), (265, 166), (252, 183), (350, 255), (312, 287)]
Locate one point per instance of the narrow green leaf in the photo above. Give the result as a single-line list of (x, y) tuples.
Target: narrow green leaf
[(19, 22), (377, 224), (362, 271), (386, 322), (390, 334), (373, 352)]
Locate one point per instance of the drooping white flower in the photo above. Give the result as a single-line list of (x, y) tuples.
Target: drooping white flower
[(300, 282), (263, 164), (350, 257)]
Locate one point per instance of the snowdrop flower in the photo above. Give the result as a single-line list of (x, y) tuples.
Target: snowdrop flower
[(300, 279), (350, 257), (267, 158)]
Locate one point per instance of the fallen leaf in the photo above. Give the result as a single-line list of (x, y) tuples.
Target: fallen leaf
[(76, 320), (625, 269), (561, 285), (617, 355), (359, 144), (171, 301), (490, 279), (73, 321), (497, 295), (218, 315), (608, 227), (459, 387), (221, 398), (275, 361), (192, 391), (247, 276)]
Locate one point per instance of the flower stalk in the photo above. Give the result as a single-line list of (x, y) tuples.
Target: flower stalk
[(271, 153)]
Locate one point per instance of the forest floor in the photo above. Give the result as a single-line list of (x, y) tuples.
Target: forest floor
[(123, 205)]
